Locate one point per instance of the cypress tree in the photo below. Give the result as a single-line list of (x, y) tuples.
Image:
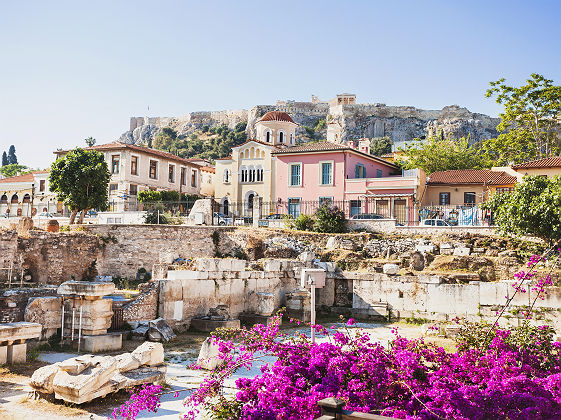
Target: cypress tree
[(5, 160), (12, 158)]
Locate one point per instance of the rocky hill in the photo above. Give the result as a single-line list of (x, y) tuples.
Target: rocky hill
[(344, 122)]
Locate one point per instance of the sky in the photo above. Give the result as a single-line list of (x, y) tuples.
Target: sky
[(71, 70)]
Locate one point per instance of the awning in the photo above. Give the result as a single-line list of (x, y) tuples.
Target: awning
[(389, 195)]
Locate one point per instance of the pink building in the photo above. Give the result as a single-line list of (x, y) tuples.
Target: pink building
[(353, 180)]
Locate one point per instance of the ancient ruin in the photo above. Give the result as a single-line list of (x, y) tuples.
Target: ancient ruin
[(87, 377)]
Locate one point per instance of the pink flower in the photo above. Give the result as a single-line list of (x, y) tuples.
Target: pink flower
[(351, 321)]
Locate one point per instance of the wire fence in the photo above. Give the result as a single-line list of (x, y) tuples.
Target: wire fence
[(33, 209)]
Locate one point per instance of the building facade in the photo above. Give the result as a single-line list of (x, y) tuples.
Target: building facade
[(249, 173), (135, 168), (28, 195)]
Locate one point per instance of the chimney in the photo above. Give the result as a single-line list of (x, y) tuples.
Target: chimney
[(364, 146)]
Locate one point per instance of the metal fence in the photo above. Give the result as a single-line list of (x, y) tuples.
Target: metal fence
[(177, 208), (242, 213)]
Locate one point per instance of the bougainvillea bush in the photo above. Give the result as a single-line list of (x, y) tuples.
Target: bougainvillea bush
[(495, 374)]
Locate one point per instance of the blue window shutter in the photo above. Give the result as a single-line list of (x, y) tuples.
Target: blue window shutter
[(357, 171)]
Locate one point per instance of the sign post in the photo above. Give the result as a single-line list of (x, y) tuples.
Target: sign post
[(313, 278)]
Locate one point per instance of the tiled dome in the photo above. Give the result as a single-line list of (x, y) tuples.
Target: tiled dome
[(277, 116)]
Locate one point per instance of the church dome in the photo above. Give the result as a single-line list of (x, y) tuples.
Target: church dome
[(277, 116)]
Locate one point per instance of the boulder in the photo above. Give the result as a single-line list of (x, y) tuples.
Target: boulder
[(126, 362), (209, 356), (141, 330), (417, 261), (159, 330), (430, 247), (77, 365), (149, 354), (88, 381), (333, 242), (42, 378), (390, 269), (307, 256)]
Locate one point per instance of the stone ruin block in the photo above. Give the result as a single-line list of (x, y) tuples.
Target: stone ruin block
[(87, 377), (265, 303), (86, 288)]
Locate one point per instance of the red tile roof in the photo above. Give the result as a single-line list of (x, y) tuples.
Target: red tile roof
[(225, 158), (22, 178), (207, 169), (551, 162), (326, 146), (116, 145), (277, 116), (471, 176)]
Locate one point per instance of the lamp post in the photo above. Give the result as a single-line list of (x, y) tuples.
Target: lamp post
[(312, 278)]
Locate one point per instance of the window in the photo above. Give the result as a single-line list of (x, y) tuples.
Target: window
[(326, 169), (133, 189), (171, 173), (42, 185), (292, 139), (193, 178), (379, 173), (251, 174), (113, 188), (226, 176), (295, 175), (360, 171), (183, 177), (469, 198), (134, 165), (328, 201), (115, 164), (281, 137), (444, 198), (153, 172), (268, 136), (259, 174), (243, 174), (355, 207), (502, 190), (294, 207)]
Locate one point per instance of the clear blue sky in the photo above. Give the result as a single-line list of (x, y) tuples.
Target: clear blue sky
[(69, 70)]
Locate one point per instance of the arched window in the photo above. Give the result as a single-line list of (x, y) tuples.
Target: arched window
[(262, 154), (243, 174), (26, 198), (14, 199), (252, 153), (251, 174), (226, 175), (268, 136), (226, 207), (281, 137), (291, 138), (259, 174), (4, 199)]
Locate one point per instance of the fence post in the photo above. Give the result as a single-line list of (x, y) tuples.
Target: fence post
[(332, 407)]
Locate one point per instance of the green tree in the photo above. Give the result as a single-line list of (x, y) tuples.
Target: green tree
[(5, 159), (80, 179), (12, 169), (329, 219), (380, 146), (165, 140), (12, 158), (90, 141), (530, 122), (533, 208), (435, 155)]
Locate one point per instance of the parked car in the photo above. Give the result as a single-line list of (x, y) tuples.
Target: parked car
[(91, 213), (46, 214), (221, 219), (367, 216), (278, 216), (434, 222)]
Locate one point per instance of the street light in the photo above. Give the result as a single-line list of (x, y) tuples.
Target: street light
[(312, 278)]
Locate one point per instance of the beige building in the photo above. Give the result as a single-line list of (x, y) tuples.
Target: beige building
[(249, 173), (207, 181), (28, 195), (545, 167), (466, 187), (136, 168)]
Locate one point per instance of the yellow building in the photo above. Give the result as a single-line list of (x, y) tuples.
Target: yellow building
[(545, 167), (249, 173)]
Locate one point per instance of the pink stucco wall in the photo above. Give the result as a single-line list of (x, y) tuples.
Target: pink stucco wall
[(371, 166), (311, 189)]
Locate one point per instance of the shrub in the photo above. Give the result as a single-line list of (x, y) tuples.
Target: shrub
[(329, 219), (302, 222)]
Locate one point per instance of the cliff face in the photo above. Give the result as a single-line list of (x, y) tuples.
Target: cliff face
[(344, 122)]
